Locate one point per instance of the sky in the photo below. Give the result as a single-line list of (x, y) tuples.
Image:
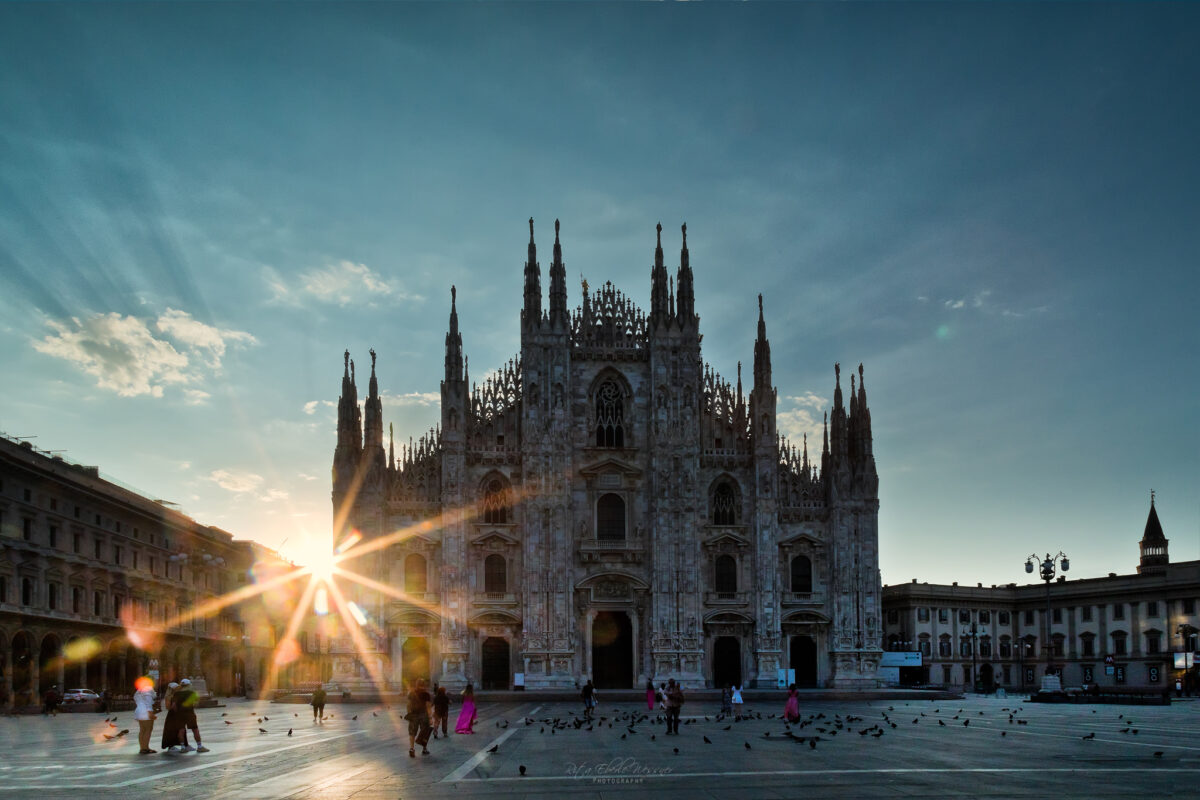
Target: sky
[(993, 207)]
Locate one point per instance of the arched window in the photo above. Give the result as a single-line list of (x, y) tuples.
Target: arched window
[(1005, 647), (495, 574), (726, 575), (610, 416), (416, 579), (610, 518), (495, 503), (801, 575), (724, 505), (944, 645)]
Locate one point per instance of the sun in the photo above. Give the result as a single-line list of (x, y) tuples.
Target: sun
[(315, 555)]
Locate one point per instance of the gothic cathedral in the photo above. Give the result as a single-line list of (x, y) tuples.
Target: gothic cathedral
[(606, 506)]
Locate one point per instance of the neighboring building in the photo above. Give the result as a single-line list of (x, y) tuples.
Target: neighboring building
[(607, 506), (1135, 624), (96, 585)]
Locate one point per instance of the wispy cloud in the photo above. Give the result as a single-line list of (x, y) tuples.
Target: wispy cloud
[(272, 495), (311, 406), (802, 415), (411, 399), (343, 283), (125, 355), (236, 481)]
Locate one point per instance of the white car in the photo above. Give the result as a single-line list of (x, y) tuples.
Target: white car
[(80, 696)]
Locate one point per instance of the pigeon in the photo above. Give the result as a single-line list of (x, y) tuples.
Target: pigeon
[(942, 723), (651, 735), (812, 743), (354, 717), (1158, 753), (1091, 735), (223, 713), (227, 722), (1004, 733), (747, 745), (707, 740), (877, 734), (373, 714), (493, 748), (676, 749), (522, 768), (260, 730), (966, 722), (623, 735), (266, 719), (1135, 731), (727, 727), (289, 731)]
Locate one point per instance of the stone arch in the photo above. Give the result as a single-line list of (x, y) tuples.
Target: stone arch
[(495, 574), (495, 499), (24, 668), (725, 574), (801, 574), (416, 574), (50, 663), (725, 500), (611, 409), (611, 517)]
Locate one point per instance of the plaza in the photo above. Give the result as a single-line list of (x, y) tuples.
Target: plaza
[(1041, 752)]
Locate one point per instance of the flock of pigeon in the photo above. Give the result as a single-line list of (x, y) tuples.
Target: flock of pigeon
[(806, 731)]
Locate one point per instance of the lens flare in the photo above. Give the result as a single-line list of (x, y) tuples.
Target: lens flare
[(143, 684), (81, 649), (357, 613), (351, 540), (321, 601), (287, 652)]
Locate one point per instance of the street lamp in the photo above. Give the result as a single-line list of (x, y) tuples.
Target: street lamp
[(1047, 570)]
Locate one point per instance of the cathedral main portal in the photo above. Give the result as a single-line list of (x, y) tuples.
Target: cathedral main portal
[(612, 650)]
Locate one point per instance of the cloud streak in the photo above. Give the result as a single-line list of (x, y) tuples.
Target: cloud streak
[(343, 283), (126, 356)]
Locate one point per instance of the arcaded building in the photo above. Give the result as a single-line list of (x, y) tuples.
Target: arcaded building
[(607, 506), (97, 582), (1134, 630)]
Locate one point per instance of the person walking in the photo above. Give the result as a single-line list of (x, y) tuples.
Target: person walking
[(726, 699), (143, 712), (419, 703), (173, 727), (441, 711), (736, 702), (187, 698), (651, 695), (318, 704), (662, 697), (50, 701), (673, 698), (589, 699), (791, 709), (467, 714)]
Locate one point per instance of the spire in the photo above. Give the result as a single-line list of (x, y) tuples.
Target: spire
[(391, 448), (349, 433), (686, 299), (658, 285), (838, 419), (373, 420), (1153, 547), (762, 353), (863, 416), (531, 313), (454, 356), (825, 446), (558, 285)]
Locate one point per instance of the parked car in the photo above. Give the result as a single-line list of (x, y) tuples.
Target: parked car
[(80, 696)]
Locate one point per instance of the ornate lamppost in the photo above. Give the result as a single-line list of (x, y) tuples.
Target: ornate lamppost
[(1047, 570)]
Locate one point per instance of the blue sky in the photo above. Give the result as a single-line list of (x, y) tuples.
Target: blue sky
[(993, 207)]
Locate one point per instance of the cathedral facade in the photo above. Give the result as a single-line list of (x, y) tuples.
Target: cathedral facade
[(606, 506)]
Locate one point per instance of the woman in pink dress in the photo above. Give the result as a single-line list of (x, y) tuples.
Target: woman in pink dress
[(791, 710), (651, 695), (466, 715)]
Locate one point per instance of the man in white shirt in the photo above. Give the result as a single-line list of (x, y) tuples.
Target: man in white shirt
[(143, 712)]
